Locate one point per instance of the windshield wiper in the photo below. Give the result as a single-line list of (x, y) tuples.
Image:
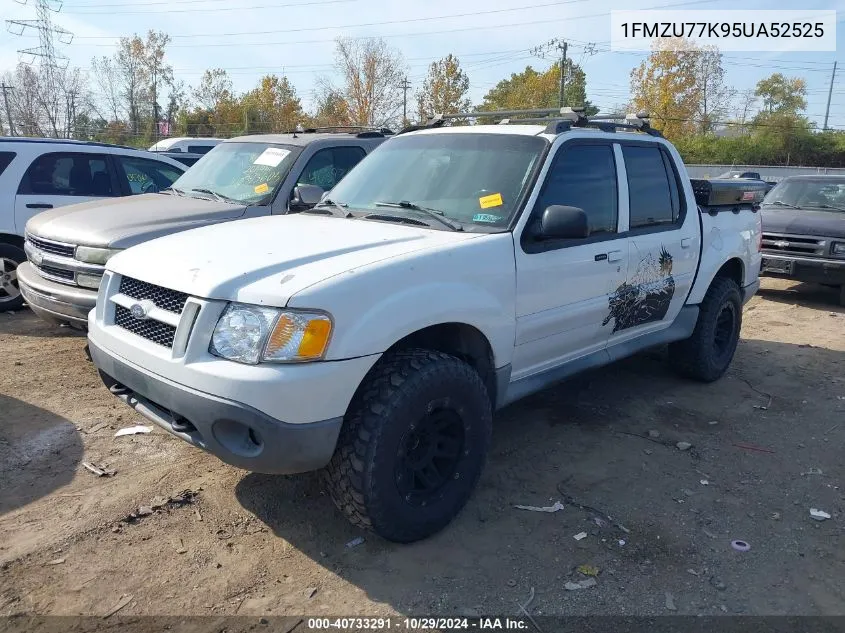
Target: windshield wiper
[(826, 206), (178, 192), (335, 208), (781, 204), (432, 213), (217, 196)]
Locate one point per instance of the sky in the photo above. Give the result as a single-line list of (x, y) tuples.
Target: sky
[(249, 38)]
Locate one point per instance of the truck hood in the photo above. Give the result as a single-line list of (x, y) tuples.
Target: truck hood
[(804, 222), (269, 259), (127, 221)]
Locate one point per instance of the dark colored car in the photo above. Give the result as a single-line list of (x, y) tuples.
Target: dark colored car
[(804, 230)]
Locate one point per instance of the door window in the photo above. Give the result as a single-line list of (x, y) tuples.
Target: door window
[(652, 189), (6, 159), (147, 176), (328, 166), (584, 176), (64, 174)]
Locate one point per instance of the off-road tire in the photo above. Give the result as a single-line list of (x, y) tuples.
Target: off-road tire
[(397, 395), (698, 357), (16, 254), (842, 295)]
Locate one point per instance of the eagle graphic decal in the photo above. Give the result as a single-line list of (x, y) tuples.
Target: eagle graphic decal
[(647, 297)]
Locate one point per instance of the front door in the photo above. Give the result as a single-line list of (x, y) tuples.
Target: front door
[(563, 285), (58, 179)]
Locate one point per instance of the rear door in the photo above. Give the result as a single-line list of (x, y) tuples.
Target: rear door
[(563, 285), (56, 179), (662, 244)]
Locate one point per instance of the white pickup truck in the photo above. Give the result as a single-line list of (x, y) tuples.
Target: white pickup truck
[(456, 269)]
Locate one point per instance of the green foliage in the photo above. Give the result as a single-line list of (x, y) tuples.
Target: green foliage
[(532, 89)]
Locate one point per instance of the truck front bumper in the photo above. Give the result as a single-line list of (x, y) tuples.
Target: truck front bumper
[(810, 269), (55, 302), (234, 432)]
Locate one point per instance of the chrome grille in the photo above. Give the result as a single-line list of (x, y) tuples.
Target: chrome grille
[(48, 246), (793, 244), (155, 331), (51, 272), (163, 298)]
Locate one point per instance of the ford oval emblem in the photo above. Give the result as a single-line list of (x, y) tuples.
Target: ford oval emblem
[(139, 311)]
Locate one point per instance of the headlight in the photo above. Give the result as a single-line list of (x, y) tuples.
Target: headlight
[(91, 255), (838, 248), (251, 334), (88, 281)]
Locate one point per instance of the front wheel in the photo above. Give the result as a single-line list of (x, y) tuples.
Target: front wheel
[(413, 445), (707, 354), (10, 295)]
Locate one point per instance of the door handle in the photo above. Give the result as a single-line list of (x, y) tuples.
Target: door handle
[(614, 256), (685, 243), (39, 205)]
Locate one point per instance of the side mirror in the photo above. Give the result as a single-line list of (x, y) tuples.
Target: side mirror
[(305, 197), (561, 222)]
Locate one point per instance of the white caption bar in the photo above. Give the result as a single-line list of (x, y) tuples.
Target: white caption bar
[(769, 31)]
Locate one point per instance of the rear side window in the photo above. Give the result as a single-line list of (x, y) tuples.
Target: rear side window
[(652, 188), (584, 176), (147, 176), (328, 166), (65, 174), (5, 160), (200, 149)]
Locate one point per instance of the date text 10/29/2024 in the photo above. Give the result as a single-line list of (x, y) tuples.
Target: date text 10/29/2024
[(355, 624)]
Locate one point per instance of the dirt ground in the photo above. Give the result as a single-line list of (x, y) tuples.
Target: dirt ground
[(766, 448)]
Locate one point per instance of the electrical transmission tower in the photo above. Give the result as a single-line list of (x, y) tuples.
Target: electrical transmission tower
[(49, 61)]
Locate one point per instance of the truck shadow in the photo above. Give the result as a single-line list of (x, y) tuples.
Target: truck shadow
[(24, 322), (39, 452), (806, 294), (587, 441)]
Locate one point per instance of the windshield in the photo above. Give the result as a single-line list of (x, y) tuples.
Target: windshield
[(808, 194), (476, 179), (242, 172)]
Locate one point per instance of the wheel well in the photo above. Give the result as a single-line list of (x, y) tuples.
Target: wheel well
[(733, 269), (9, 238), (460, 340)]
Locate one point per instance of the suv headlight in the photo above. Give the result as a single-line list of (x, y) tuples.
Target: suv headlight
[(838, 248), (91, 255), (253, 334)]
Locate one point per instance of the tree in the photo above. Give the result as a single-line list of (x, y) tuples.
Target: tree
[(782, 95), (667, 86), (108, 80), (532, 89), (444, 89), (332, 108), (714, 97), (131, 65), (214, 87), (372, 80), (273, 106), (158, 72)]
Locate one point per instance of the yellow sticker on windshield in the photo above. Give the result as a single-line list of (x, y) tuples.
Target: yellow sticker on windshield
[(262, 188), (493, 200)]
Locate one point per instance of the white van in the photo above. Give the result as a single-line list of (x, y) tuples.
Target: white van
[(186, 144)]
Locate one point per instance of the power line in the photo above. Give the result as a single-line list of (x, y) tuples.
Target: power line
[(205, 10)]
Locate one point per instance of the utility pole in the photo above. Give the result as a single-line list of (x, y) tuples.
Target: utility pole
[(6, 89), (829, 93), (406, 85), (562, 98)]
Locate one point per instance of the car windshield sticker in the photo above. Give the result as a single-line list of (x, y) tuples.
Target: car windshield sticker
[(486, 217), (493, 200), (271, 157), (647, 297), (262, 188)]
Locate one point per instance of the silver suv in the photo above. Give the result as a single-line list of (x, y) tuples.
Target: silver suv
[(46, 173), (243, 177)]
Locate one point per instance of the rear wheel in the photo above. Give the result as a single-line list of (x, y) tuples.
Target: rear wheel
[(10, 295), (413, 445), (842, 295), (707, 354)]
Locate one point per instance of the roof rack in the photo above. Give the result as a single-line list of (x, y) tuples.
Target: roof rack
[(64, 141), (558, 120), (362, 131)]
